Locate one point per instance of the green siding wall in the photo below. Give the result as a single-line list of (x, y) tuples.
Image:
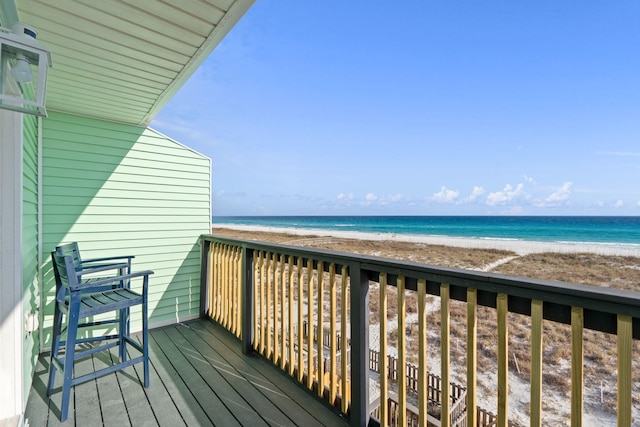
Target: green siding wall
[(30, 296), (120, 189)]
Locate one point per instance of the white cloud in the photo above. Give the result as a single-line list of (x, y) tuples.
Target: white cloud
[(343, 196), (506, 195), (617, 204), (445, 195), (392, 198), (558, 197), (475, 193), (562, 194), (638, 203), (530, 180), (369, 199)]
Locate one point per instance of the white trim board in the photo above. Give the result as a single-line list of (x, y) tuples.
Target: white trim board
[(11, 318)]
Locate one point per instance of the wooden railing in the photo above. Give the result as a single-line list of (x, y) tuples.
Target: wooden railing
[(263, 293), (224, 285)]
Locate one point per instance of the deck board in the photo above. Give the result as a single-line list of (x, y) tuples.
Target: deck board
[(85, 396), (111, 399), (161, 409), (39, 407), (198, 377), (277, 386), (259, 392), (242, 388), (213, 404), (177, 390), (138, 410)]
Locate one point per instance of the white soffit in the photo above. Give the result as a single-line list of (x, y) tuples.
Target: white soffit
[(122, 60)]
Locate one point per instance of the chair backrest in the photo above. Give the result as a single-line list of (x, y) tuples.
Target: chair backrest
[(60, 290), (64, 272), (73, 251)]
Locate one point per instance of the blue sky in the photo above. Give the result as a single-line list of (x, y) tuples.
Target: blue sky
[(420, 108)]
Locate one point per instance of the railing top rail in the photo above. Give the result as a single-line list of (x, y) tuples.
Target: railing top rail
[(557, 296), (341, 258)]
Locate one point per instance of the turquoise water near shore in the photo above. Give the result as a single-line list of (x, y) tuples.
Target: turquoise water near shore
[(618, 231)]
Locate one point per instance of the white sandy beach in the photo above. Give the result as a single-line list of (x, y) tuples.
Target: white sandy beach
[(521, 247)]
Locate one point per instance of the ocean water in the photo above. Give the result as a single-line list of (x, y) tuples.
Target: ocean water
[(617, 231)]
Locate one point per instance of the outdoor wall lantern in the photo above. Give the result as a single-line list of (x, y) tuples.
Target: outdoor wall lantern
[(24, 64)]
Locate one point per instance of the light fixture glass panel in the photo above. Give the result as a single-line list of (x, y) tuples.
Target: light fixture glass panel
[(23, 72)]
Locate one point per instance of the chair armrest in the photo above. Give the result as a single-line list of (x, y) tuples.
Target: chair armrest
[(96, 269), (110, 258), (110, 280)]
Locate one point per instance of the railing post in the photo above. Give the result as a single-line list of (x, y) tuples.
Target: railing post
[(359, 346), (205, 268), (247, 300)]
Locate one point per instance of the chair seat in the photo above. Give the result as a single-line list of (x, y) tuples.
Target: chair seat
[(101, 302)]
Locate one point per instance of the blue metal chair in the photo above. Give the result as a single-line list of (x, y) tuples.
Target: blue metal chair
[(77, 299)]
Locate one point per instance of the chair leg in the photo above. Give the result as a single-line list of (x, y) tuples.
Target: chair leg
[(123, 331), (145, 339), (69, 357), (55, 347)]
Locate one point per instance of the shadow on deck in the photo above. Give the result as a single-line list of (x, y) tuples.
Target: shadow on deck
[(198, 377)]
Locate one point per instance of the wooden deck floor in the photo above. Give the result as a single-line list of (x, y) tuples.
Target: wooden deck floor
[(199, 377)]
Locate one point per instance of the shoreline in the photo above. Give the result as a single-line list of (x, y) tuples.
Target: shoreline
[(520, 247)]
